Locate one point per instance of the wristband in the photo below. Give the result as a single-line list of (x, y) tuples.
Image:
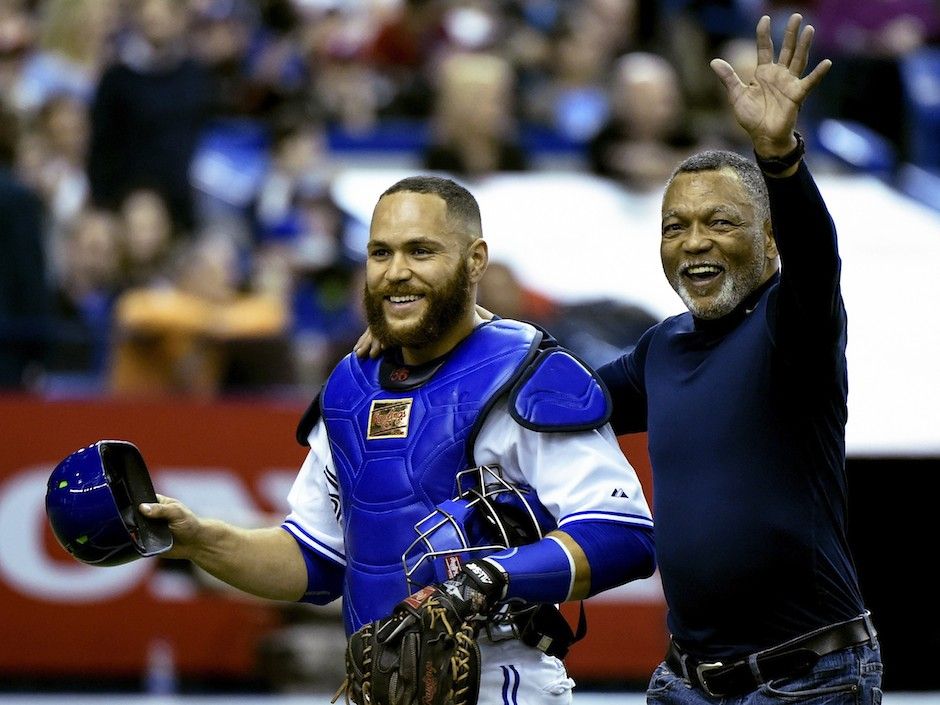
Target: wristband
[(774, 166)]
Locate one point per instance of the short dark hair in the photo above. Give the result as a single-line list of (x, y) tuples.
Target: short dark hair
[(748, 172), (461, 205)]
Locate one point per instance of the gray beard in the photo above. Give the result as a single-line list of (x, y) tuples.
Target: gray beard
[(735, 288)]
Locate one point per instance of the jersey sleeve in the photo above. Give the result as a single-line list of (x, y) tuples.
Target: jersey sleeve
[(315, 511), (578, 476)]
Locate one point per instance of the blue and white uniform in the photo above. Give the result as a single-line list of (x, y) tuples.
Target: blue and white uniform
[(385, 448)]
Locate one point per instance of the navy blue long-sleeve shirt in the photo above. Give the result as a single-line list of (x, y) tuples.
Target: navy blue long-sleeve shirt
[(746, 424)]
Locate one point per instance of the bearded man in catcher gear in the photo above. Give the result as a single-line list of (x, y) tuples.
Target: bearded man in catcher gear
[(388, 438)]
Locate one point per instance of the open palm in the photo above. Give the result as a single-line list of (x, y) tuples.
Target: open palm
[(768, 106)]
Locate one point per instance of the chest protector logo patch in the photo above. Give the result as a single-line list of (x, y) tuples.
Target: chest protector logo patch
[(388, 418)]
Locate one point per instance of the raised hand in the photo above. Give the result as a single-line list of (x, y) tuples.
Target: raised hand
[(768, 106)]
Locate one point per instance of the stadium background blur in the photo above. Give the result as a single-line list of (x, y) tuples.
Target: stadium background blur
[(185, 191)]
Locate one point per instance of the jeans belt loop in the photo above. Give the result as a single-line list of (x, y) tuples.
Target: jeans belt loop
[(755, 669), (684, 661), (872, 634)]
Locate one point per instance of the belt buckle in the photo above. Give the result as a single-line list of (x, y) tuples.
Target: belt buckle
[(701, 670)]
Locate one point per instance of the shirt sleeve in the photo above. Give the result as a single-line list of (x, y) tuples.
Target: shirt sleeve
[(625, 381), (577, 476), (810, 312), (315, 511)]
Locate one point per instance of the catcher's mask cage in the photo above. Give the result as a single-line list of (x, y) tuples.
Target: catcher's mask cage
[(488, 514), (92, 500)]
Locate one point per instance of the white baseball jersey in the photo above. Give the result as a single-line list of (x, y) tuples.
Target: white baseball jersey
[(577, 476)]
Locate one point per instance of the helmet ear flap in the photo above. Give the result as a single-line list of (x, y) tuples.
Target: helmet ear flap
[(92, 500)]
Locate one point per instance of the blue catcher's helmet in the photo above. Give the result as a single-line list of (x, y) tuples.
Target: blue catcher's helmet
[(91, 501), (488, 514)]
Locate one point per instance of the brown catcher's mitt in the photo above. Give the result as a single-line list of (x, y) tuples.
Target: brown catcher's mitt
[(426, 652)]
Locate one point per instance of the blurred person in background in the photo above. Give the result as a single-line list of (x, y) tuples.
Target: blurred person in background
[(571, 96), (474, 120), (298, 160), (597, 330), (25, 300), (868, 41), (176, 337), (52, 159), (148, 111), (86, 288), (646, 133), (253, 54), (17, 43), (403, 49), (344, 85), (75, 39), (148, 239)]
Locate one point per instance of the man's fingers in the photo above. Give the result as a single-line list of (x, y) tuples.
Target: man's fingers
[(163, 508), (801, 56), (726, 73), (369, 345), (813, 78), (790, 34), (765, 45)]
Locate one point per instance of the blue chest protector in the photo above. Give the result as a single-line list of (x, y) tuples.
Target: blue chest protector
[(397, 448)]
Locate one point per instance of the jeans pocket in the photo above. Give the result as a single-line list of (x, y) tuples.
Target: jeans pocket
[(662, 682), (818, 683)]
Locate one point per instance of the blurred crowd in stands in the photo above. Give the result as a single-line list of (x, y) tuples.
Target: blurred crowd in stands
[(166, 217)]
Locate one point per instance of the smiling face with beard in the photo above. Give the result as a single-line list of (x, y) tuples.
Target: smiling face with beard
[(421, 275), (443, 306), (715, 249)]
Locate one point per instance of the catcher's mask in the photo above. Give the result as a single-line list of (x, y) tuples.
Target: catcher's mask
[(488, 514), (91, 502)]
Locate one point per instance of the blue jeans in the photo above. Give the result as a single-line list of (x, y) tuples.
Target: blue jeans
[(849, 676)]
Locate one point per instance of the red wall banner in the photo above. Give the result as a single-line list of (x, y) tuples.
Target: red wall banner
[(232, 460)]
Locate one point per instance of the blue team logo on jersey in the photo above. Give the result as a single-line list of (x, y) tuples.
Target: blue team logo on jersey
[(388, 418)]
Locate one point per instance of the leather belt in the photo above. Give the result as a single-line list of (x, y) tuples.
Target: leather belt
[(792, 658)]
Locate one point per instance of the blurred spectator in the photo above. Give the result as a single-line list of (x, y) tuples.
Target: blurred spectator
[(298, 162), (178, 338), (85, 296), (306, 260), (598, 331), (148, 112), (402, 50), (148, 239), (17, 37), (73, 46), (24, 294), (252, 54), (646, 134), (866, 41), (346, 86), (716, 123), (474, 118), (697, 30), (52, 159), (501, 292), (572, 97)]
